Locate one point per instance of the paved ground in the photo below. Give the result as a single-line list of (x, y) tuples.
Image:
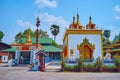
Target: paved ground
[(23, 73)]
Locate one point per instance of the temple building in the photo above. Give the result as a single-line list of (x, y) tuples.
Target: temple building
[(27, 49), (82, 42), (4, 55), (113, 46)]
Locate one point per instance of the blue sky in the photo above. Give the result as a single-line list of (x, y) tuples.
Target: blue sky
[(18, 15)]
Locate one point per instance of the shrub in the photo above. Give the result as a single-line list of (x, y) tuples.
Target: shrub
[(89, 66), (80, 62), (109, 66), (117, 61), (98, 63), (62, 63)]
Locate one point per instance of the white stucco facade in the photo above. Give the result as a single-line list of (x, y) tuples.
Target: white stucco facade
[(75, 39)]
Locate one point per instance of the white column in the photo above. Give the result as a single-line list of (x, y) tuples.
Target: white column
[(16, 54), (31, 57)]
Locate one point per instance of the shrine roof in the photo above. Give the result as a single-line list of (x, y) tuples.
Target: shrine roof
[(48, 48), (51, 49), (40, 40), (13, 49)]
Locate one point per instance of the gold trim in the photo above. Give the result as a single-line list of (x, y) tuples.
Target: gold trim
[(76, 31)]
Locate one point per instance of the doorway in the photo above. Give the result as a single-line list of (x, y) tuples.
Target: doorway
[(25, 57)]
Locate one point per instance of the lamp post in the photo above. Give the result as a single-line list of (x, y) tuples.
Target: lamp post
[(37, 24)]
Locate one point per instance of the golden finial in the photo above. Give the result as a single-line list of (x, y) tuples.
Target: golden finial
[(90, 20), (28, 38), (73, 19), (78, 22)]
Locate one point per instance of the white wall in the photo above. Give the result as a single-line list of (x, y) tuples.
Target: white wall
[(74, 39), (4, 58)]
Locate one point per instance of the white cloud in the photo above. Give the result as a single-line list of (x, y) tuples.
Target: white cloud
[(51, 19), (117, 8), (117, 17), (47, 20), (25, 24), (46, 3)]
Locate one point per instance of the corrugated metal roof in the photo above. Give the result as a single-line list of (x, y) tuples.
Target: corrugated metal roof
[(45, 48), (13, 49), (40, 40), (51, 49)]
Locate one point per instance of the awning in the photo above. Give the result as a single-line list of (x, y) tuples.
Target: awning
[(51, 49), (10, 50)]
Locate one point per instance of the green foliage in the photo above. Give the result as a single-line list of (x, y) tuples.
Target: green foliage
[(109, 66), (54, 30), (54, 44), (98, 63), (70, 67), (1, 35), (20, 35), (117, 61), (89, 66), (80, 62), (62, 63)]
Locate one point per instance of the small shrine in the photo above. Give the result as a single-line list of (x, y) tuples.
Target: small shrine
[(86, 49), (88, 37)]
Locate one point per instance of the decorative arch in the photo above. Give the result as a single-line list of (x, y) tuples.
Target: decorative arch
[(86, 49)]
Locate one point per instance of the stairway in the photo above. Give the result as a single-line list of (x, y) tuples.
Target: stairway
[(53, 67)]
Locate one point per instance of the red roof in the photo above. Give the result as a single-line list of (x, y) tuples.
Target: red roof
[(3, 54)]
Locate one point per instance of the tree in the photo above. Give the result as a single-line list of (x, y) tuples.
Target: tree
[(54, 30), (42, 34), (1, 35), (20, 35), (106, 33)]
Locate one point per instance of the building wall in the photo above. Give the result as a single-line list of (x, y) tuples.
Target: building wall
[(75, 39)]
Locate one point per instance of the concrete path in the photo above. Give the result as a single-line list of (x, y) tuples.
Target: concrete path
[(22, 73)]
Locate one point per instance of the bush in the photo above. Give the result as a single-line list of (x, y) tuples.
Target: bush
[(98, 63), (62, 63), (80, 62), (89, 66), (108, 66), (117, 61)]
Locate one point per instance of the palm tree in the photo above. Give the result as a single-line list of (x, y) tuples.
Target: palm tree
[(54, 30)]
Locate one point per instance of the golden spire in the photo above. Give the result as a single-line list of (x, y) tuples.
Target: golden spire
[(28, 37), (90, 20), (73, 19), (78, 22)]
